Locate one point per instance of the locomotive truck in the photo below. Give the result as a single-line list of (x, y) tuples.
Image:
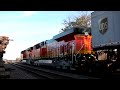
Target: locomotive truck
[(94, 49)]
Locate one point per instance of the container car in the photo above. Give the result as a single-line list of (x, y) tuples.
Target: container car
[(106, 39)]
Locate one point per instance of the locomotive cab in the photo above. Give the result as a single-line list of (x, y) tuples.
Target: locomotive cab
[(83, 48), (82, 30)]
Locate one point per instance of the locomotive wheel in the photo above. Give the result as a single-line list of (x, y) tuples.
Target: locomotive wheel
[(79, 69), (68, 67), (89, 70), (61, 67)]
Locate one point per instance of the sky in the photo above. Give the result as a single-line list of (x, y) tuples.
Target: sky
[(28, 28)]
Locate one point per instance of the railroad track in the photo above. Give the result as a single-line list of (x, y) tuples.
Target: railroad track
[(74, 72), (50, 74)]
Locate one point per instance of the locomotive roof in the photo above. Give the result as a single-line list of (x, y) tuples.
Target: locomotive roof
[(51, 40), (70, 31), (63, 33)]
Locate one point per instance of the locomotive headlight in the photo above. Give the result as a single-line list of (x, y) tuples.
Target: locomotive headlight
[(109, 64), (113, 60), (115, 50), (89, 57), (86, 33), (81, 64), (83, 60)]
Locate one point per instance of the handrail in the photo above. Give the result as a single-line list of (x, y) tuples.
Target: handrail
[(79, 51)]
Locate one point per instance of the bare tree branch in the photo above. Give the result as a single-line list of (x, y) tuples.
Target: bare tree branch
[(84, 20)]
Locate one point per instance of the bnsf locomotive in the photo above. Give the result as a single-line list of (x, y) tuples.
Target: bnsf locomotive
[(68, 47), (95, 49)]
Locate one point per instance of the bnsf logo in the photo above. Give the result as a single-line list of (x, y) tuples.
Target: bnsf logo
[(103, 25)]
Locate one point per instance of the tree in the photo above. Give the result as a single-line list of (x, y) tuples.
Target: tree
[(84, 20), (68, 24)]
